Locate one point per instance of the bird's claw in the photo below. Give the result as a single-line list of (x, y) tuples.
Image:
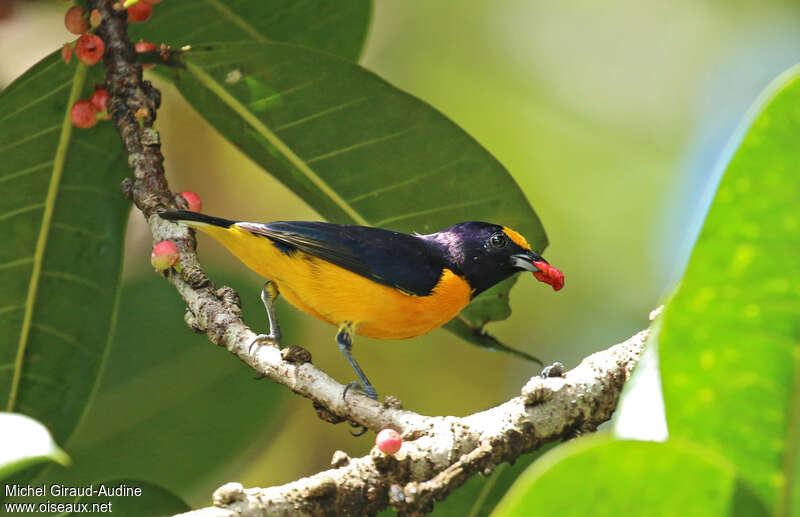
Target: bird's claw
[(264, 339), (369, 392), (359, 432)]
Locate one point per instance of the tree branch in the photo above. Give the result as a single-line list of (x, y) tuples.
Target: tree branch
[(439, 453), (215, 312)]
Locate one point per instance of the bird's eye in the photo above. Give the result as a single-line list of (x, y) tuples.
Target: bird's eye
[(498, 240)]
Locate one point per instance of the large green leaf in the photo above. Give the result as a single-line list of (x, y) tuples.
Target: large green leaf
[(599, 476), (338, 27), (165, 391), (63, 219), (730, 339), (481, 494), (355, 148)]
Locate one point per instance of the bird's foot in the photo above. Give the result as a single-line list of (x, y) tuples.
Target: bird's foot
[(370, 392), (264, 339), (361, 429), (261, 339)]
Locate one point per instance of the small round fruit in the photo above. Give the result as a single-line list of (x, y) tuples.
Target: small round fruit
[(388, 441), (89, 49), (139, 12), (164, 255), (145, 46), (66, 52), (99, 100), (83, 114), (95, 18), (75, 20), (193, 200)]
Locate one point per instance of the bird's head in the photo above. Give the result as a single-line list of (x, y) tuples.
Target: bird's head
[(487, 253)]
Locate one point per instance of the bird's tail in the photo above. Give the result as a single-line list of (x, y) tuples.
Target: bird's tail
[(195, 219)]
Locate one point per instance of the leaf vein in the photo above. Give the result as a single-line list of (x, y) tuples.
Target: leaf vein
[(69, 277), (359, 145), (18, 211), (440, 208), (25, 172), (319, 114), (29, 137), (63, 336), (18, 262)]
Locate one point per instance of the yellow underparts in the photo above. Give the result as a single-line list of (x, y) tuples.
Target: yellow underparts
[(336, 295)]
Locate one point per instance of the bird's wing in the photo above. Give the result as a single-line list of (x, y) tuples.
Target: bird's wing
[(390, 258)]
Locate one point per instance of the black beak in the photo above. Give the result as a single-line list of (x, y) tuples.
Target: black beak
[(527, 261)]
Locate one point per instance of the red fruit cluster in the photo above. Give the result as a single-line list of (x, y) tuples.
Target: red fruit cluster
[(89, 48), (86, 112)]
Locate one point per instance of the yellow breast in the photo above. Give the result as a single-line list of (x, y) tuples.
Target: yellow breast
[(336, 295)]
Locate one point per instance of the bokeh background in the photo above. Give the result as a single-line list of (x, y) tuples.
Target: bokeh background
[(611, 117)]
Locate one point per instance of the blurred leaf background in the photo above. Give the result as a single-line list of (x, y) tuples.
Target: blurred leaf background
[(610, 117)]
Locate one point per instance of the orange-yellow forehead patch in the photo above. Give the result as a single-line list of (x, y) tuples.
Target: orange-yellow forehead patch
[(518, 239)]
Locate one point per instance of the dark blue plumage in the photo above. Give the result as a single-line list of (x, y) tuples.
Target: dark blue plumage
[(411, 263)]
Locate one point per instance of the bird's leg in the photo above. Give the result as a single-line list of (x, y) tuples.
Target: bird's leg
[(345, 341), (269, 293)]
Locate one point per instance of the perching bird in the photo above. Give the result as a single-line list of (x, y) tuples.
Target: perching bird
[(377, 283)]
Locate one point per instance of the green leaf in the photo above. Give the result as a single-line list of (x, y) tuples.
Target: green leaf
[(491, 305), (730, 339), (63, 218), (355, 148), (480, 494), (151, 500), (599, 476), (25, 442), (194, 408), (339, 27)]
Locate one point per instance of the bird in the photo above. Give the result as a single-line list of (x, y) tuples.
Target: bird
[(370, 281)]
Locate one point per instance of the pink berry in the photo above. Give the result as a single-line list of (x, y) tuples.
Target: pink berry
[(388, 441), (99, 100), (139, 12), (89, 49), (164, 255), (66, 52), (145, 46), (193, 200), (75, 20), (83, 114)]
